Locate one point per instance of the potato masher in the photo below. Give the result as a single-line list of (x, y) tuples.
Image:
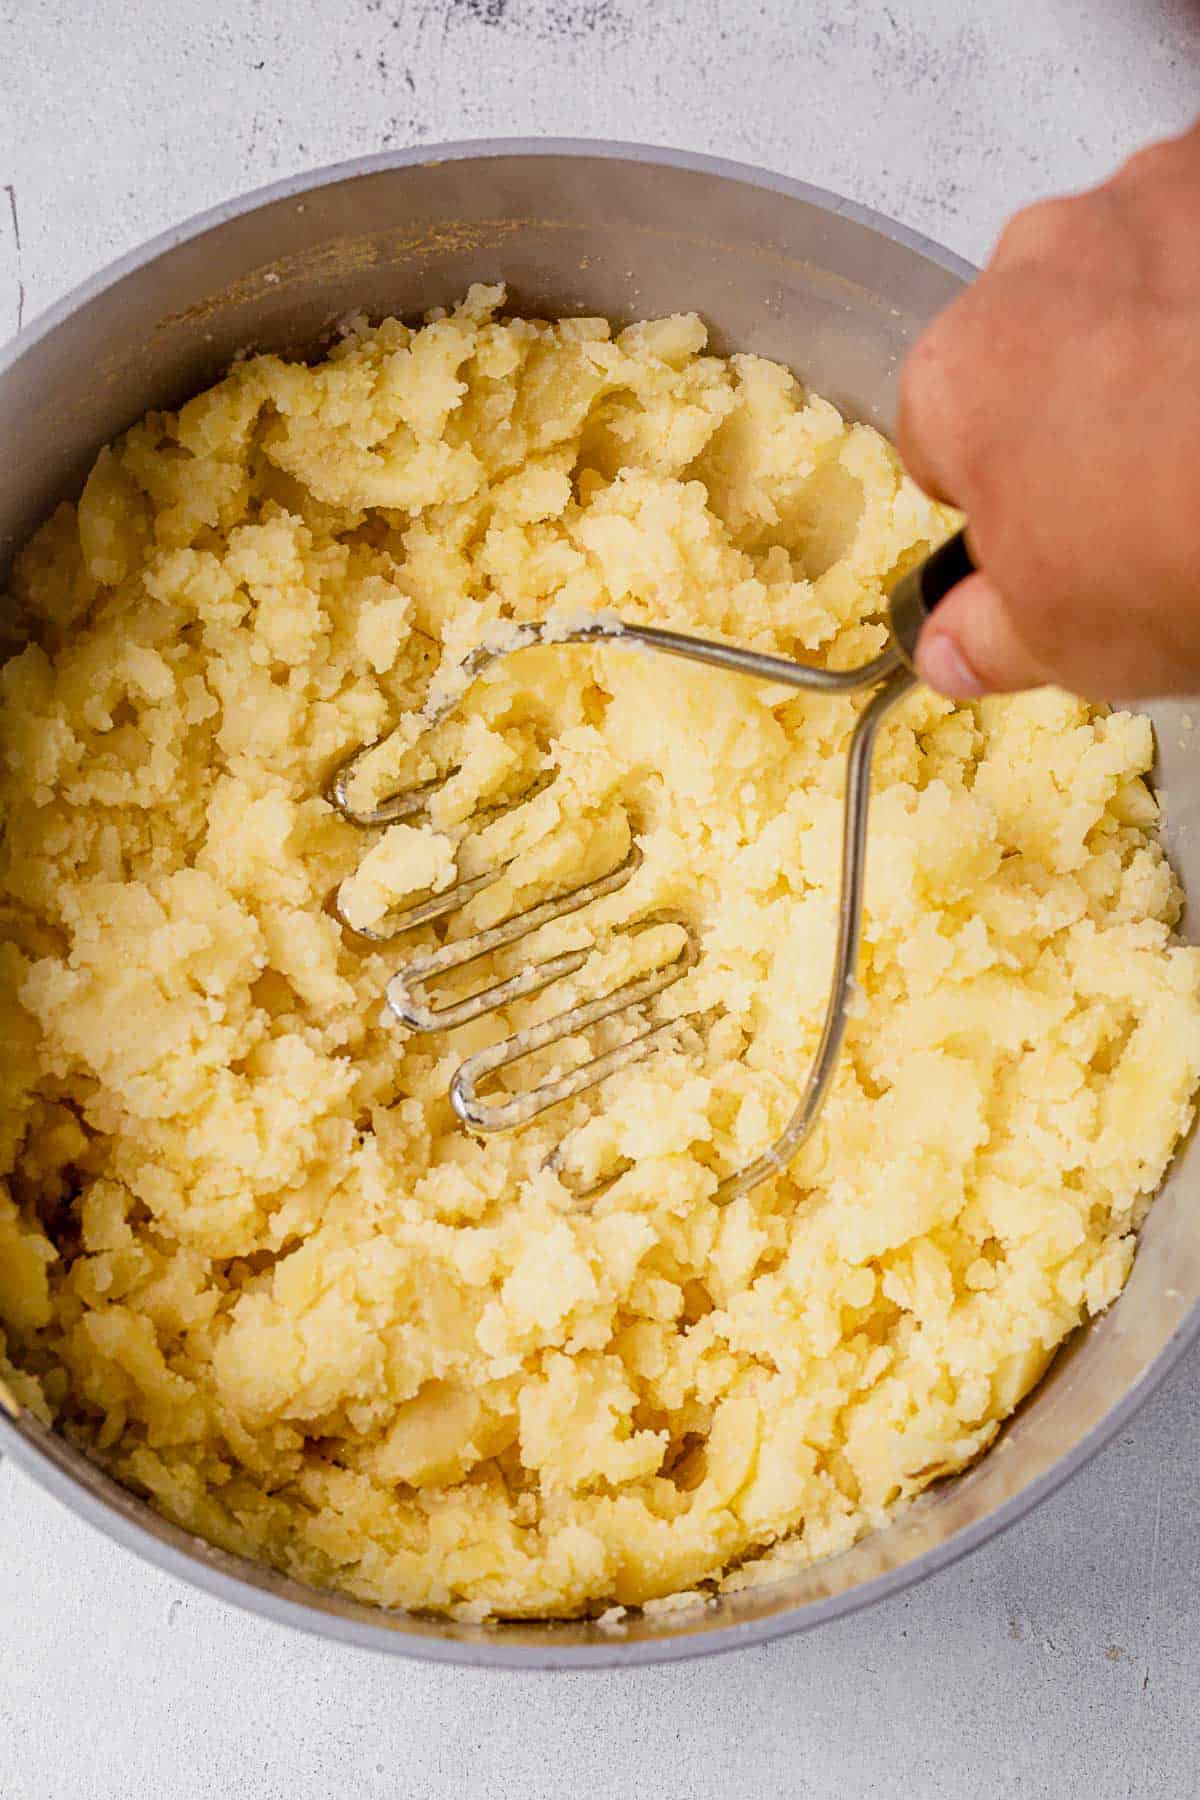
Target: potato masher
[(891, 674)]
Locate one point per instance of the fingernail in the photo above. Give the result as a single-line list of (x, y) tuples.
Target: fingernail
[(942, 664)]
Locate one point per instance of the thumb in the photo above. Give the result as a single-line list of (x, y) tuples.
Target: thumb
[(968, 646)]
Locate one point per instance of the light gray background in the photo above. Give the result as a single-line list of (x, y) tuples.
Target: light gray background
[(1063, 1660)]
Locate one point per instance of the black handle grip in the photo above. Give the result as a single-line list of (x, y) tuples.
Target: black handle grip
[(916, 594)]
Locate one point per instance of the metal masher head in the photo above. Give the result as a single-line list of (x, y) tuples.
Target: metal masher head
[(408, 992)]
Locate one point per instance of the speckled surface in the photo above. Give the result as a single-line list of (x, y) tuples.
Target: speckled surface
[(1060, 1661)]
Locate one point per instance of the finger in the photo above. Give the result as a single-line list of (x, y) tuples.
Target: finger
[(955, 380), (922, 434), (969, 646)]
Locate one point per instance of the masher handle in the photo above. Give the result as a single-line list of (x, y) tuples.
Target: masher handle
[(916, 594)]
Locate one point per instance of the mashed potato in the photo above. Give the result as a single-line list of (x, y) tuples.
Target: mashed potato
[(247, 1257)]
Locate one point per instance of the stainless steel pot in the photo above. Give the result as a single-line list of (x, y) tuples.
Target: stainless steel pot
[(775, 267)]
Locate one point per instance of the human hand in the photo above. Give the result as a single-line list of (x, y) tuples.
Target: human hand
[(1057, 403)]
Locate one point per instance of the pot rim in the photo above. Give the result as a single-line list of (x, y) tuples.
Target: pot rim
[(465, 150)]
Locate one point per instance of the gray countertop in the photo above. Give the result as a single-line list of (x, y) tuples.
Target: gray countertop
[(1061, 1660)]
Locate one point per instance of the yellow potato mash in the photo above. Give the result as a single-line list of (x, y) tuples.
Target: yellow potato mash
[(249, 1259)]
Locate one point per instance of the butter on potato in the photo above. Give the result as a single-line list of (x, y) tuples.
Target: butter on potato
[(248, 1259)]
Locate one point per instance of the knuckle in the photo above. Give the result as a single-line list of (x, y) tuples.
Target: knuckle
[(1154, 198), (1082, 235), (1033, 230), (1156, 160)]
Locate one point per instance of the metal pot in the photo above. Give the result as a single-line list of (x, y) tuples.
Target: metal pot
[(775, 267)]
